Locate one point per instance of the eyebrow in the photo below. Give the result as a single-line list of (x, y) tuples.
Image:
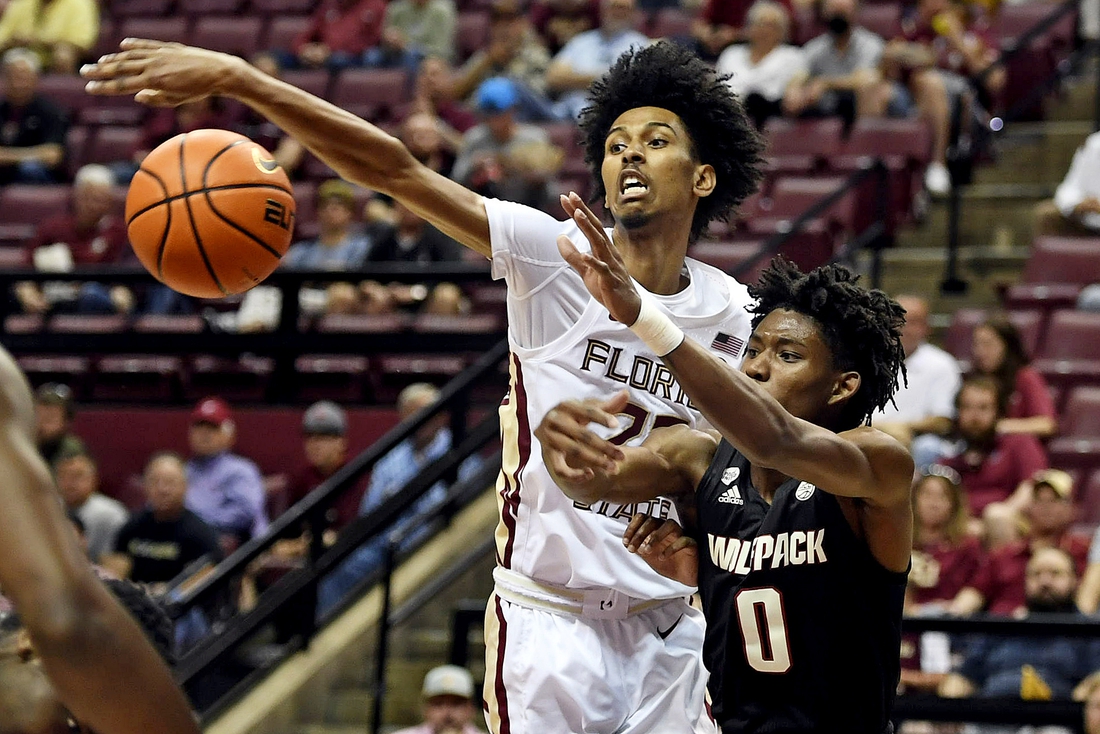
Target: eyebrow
[(622, 129), (782, 340)]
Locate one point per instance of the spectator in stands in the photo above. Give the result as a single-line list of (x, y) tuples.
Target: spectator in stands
[(761, 70), (514, 51), (159, 542), (78, 482), (432, 95), (558, 21), (54, 411), (341, 33), (286, 151), (946, 558), (224, 489), (431, 141), (1030, 668), (91, 233), (61, 32), (448, 703), (589, 55), (162, 124), (412, 240), (1075, 209), (32, 127), (1088, 597), (998, 350), (999, 586), (722, 22), (993, 465), (923, 409), (502, 157), (342, 244), (416, 29), (325, 445)]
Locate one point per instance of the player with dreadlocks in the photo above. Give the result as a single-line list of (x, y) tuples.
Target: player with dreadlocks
[(802, 523), (671, 150)]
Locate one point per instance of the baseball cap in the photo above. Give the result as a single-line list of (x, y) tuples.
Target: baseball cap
[(212, 410), (448, 680), (324, 418), (54, 393), (1056, 479), (497, 95), (336, 188)]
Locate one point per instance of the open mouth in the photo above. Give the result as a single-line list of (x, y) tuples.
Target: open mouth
[(632, 185)]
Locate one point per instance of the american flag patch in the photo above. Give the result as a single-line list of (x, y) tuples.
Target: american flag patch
[(727, 343)]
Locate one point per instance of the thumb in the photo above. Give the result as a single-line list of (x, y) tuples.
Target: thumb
[(617, 402)]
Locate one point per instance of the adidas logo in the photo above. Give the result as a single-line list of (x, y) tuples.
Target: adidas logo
[(731, 496)]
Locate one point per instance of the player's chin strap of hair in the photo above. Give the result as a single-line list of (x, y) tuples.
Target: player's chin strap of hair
[(655, 328)]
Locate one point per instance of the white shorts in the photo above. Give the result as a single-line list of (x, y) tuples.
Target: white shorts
[(556, 673)]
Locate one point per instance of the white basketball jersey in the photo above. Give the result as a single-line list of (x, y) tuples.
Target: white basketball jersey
[(564, 345)]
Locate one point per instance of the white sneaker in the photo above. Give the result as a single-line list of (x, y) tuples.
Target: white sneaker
[(937, 180)]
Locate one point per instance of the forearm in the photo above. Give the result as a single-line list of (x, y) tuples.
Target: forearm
[(968, 601), (49, 154), (470, 76), (562, 78), (1040, 426)]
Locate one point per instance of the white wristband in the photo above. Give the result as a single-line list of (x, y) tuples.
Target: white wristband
[(655, 329)]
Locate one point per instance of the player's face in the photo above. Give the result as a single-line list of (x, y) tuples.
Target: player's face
[(789, 358), (649, 168)]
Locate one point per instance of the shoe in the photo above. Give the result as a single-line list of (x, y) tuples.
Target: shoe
[(937, 180)]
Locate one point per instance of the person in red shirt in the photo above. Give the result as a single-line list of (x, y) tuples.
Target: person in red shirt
[(92, 232), (993, 465), (999, 585), (998, 350), (341, 33), (721, 23)]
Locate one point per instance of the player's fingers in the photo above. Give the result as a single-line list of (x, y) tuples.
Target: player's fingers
[(579, 446), (570, 253), (159, 98), (593, 229), (144, 43), (616, 404), (567, 205), (660, 536), (632, 527), (562, 468), (119, 66), (677, 545), (641, 535)]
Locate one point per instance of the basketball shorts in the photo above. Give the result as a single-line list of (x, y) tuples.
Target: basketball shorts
[(562, 671)]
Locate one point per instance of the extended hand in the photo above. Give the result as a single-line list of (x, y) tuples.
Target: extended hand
[(603, 271), (161, 74), (663, 545), (571, 451)]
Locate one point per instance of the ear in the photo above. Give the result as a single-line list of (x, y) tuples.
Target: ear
[(705, 180), (845, 387)]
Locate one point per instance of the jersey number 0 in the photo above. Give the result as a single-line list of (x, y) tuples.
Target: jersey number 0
[(764, 629)]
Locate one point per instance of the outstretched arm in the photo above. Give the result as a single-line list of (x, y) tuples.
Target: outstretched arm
[(588, 468), (170, 74), (104, 669)]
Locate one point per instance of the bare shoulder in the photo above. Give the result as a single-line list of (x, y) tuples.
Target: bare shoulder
[(890, 461), (16, 403)]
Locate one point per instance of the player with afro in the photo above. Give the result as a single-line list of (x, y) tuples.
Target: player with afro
[(802, 525)]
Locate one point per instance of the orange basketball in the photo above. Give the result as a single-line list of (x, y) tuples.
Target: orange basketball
[(210, 213)]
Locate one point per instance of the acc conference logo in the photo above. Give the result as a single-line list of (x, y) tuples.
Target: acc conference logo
[(729, 476), (804, 491)]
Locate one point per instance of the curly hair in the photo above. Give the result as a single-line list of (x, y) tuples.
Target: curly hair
[(861, 327), (145, 610), (669, 76)]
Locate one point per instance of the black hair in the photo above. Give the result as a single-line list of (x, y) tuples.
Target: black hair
[(861, 327), (149, 615), (669, 76)]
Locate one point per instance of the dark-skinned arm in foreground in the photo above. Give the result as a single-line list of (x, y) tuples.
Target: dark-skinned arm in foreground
[(861, 464), (104, 669), (170, 74)]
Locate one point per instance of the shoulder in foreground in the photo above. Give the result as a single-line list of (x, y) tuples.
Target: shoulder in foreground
[(881, 446), (682, 440)]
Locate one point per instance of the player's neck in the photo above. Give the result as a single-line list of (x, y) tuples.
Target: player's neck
[(767, 481), (650, 259)]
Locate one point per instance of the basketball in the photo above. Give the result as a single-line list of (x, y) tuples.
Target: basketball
[(210, 213)]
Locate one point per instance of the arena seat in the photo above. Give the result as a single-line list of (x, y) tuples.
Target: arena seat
[(165, 324), (1081, 416), (109, 144), (244, 379), (276, 8), (281, 32), (883, 18), (905, 148), (24, 323), (391, 373), (670, 23), (363, 323), (1088, 500), (727, 254), (1063, 260), (76, 140), (31, 205), (137, 379), (107, 41), (1044, 297), (1070, 354), (237, 36), (488, 298), (484, 323), (370, 93), (65, 90), (13, 257), (1075, 454), (198, 8), (69, 370), (314, 81), (802, 144), (963, 322), (343, 378), (144, 8), (155, 26), (471, 32)]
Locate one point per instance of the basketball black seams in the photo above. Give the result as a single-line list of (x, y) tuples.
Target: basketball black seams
[(193, 192), (167, 228), (194, 229), (242, 230)]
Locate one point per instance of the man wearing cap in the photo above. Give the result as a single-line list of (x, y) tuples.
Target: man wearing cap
[(341, 244), (502, 157), (325, 444), (999, 585), (448, 705), (53, 410), (225, 490)]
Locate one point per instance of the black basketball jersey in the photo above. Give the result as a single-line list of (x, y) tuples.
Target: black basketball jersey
[(803, 624)]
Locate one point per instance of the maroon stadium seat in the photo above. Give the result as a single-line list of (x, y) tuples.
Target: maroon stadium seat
[(963, 322), (1063, 260), (197, 8), (670, 23), (169, 324), (76, 140), (806, 143), (281, 32), (883, 19), (314, 81), (1070, 454), (108, 39), (137, 378), (275, 8), (724, 255), (87, 324), (343, 378), (471, 32), (157, 28), (816, 242), (69, 370), (26, 204), (1044, 297), (370, 93), (1088, 500), (66, 90), (1013, 20), (145, 8), (236, 380), (238, 36), (1070, 353), (109, 144), (393, 372), (363, 323), (1081, 416), (13, 257), (903, 145), (464, 324)]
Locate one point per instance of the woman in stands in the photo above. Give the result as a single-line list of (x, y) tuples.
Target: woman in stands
[(997, 350)]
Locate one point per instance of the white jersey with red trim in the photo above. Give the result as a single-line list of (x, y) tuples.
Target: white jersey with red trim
[(564, 345)]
